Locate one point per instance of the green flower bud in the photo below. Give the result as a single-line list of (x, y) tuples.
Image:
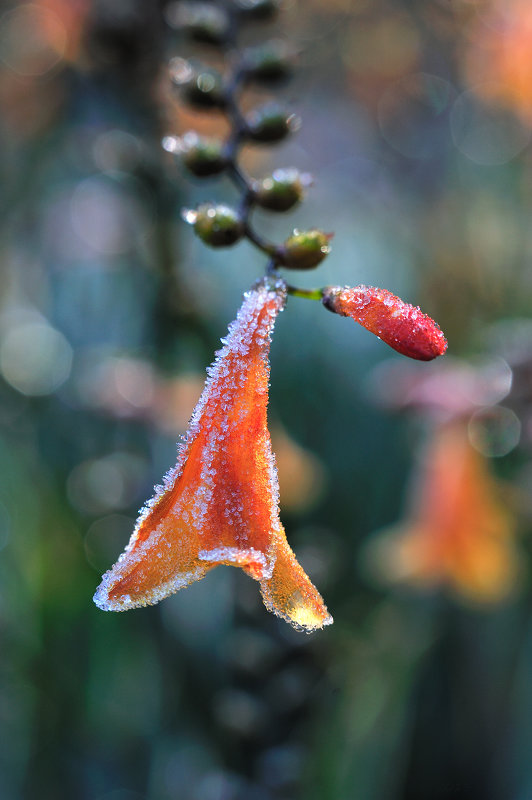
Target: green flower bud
[(258, 9), (216, 225), (305, 250), (201, 87), (271, 123), (202, 156), (283, 190), (203, 22), (271, 61)]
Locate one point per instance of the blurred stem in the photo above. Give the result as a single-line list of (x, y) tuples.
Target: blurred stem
[(238, 123)]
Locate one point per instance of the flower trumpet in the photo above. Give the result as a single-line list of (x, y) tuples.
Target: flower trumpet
[(220, 504)]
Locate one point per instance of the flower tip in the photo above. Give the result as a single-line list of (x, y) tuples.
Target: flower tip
[(99, 601), (101, 597), (289, 593), (434, 345)]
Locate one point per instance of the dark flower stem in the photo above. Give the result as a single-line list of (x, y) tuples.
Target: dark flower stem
[(239, 129), (232, 149)]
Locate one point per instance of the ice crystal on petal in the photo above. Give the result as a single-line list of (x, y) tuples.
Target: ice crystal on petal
[(220, 503)]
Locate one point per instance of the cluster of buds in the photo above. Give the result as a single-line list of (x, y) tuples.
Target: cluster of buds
[(204, 88), (402, 326)]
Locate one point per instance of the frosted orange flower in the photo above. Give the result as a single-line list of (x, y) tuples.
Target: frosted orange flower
[(458, 534), (219, 505)]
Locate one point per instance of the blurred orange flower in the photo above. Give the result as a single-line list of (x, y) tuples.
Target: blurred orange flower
[(219, 505), (458, 534), (497, 60)]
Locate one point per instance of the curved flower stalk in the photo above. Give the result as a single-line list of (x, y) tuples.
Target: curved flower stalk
[(219, 505)]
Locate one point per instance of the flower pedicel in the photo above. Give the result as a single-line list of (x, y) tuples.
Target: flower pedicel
[(220, 504)]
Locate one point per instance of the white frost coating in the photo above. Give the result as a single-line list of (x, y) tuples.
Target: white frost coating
[(250, 326), (240, 335), (124, 603), (238, 557)]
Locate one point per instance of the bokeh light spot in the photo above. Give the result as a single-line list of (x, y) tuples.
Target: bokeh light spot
[(239, 712), (388, 47), (410, 114), (35, 358), (494, 431), (32, 40), (99, 216), (106, 484), (105, 538), (494, 380), (116, 150), (486, 136)]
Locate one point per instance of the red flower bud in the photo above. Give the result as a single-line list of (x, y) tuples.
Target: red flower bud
[(402, 326)]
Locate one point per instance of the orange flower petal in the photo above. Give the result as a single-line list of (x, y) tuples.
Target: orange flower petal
[(402, 326), (219, 505)]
